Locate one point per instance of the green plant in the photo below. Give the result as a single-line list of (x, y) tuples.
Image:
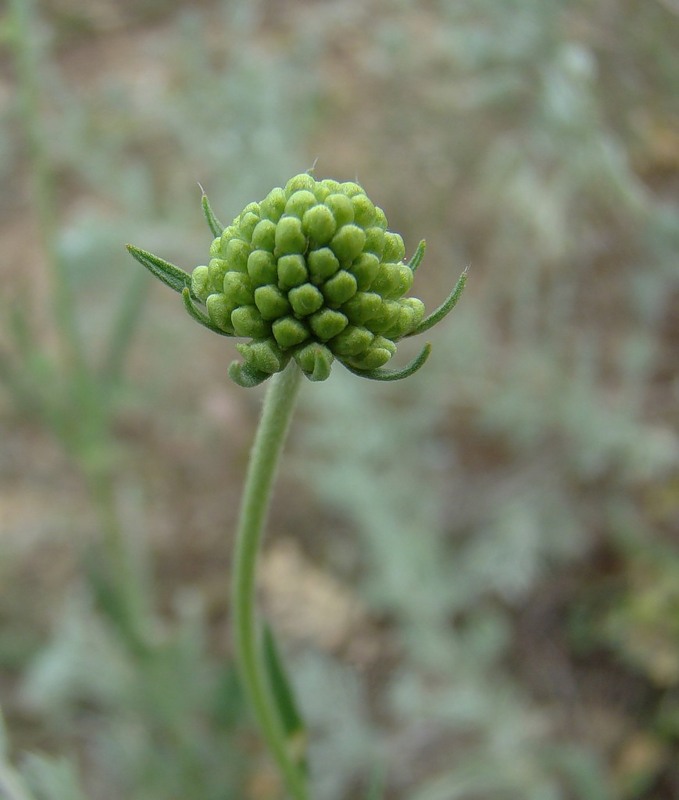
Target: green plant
[(309, 274), (526, 133)]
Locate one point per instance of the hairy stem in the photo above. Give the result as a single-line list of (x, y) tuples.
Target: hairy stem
[(264, 457)]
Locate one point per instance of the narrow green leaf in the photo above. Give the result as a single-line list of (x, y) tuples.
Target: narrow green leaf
[(293, 724), (172, 276), (215, 225), (394, 374), (445, 308), (200, 316), (418, 255)]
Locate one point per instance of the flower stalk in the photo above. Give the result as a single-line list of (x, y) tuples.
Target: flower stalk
[(248, 634), (310, 275)]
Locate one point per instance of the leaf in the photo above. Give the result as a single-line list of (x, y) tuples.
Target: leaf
[(293, 724)]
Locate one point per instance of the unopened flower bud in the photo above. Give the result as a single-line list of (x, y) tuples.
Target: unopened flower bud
[(217, 268), (392, 280), (219, 310), (364, 210), (271, 302), (290, 331), (364, 269), (328, 323), (273, 205), (299, 203), (292, 271), (311, 273), (264, 235), (238, 288), (236, 255), (347, 243), (248, 321), (305, 299), (394, 249), (289, 237), (340, 288), (299, 183), (323, 264), (352, 341), (375, 356), (374, 241), (315, 361), (319, 224), (261, 267), (341, 208), (362, 307), (264, 355), (200, 283), (247, 225)]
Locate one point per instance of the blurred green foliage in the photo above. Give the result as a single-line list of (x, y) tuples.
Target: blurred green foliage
[(507, 519)]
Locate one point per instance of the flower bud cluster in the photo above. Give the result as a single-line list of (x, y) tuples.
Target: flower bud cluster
[(310, 272)]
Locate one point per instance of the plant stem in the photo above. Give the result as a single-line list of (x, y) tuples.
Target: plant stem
[(264, 456)]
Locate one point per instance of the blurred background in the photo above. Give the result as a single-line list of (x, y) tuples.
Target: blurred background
[(474, 573)]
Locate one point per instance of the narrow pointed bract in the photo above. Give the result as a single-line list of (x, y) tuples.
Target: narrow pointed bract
[(445, 308), (418, 255), (213, 223), (171, 276)]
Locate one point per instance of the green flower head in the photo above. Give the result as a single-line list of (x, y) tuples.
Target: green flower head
[(311, 272)]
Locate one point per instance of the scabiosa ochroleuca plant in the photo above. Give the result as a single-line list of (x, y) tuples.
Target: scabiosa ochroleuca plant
[(308, 275)]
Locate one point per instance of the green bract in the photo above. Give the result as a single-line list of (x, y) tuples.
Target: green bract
[(311, 273)]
